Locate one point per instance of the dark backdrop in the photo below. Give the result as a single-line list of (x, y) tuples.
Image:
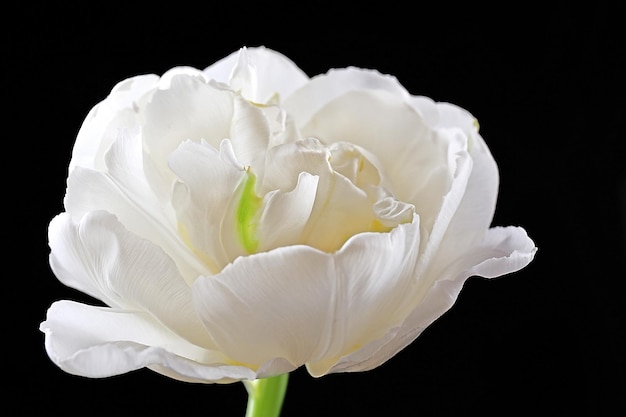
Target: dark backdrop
[(546, 85)]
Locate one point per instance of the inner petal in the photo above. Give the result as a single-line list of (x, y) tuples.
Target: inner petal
[(408, 150), (286, 214), (340, 196), (205, 185), (352, 162)]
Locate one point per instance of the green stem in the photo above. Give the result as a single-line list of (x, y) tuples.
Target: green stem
[(265, 396)]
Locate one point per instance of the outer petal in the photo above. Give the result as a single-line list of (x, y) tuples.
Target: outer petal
[(99, 257), (475, 212), (276, 76), (100, 128), (503, 251), (437, 233), (185, 107), (304, 305), (100, 342), (305, 102), (125, 192)]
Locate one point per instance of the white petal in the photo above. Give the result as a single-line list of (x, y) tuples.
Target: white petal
[(475, 212), (427, 108), (356, 164), (305, 306), (426, 168), (413, 158), (341, 210), (504, 250), (447, 211), (283, 128), (125, 163), (125, 192), (453, 116), (392, 212), (187, 109), (305, 102), (379, 351), (270, 305), (285, 162), (101, 342), (173, 75), (243, 77), (101, 258), (227, 154), (277, 76), (375, 280), (100, 128), (250, 132), (285, 214), (207, 182), (66, 258)]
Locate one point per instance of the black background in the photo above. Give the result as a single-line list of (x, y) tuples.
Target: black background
[(546, 84)]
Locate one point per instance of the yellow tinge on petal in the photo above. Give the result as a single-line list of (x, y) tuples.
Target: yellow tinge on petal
[(247, 213), (377, 226), (206, 259)]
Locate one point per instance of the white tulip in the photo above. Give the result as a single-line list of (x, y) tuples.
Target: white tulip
[(246, 220)]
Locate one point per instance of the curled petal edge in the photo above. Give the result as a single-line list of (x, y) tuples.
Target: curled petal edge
[(75, 350), (505, 250)]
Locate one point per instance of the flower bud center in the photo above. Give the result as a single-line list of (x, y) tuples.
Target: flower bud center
[(312, 194)]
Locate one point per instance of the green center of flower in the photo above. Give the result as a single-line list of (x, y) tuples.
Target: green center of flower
[(247, 213)]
